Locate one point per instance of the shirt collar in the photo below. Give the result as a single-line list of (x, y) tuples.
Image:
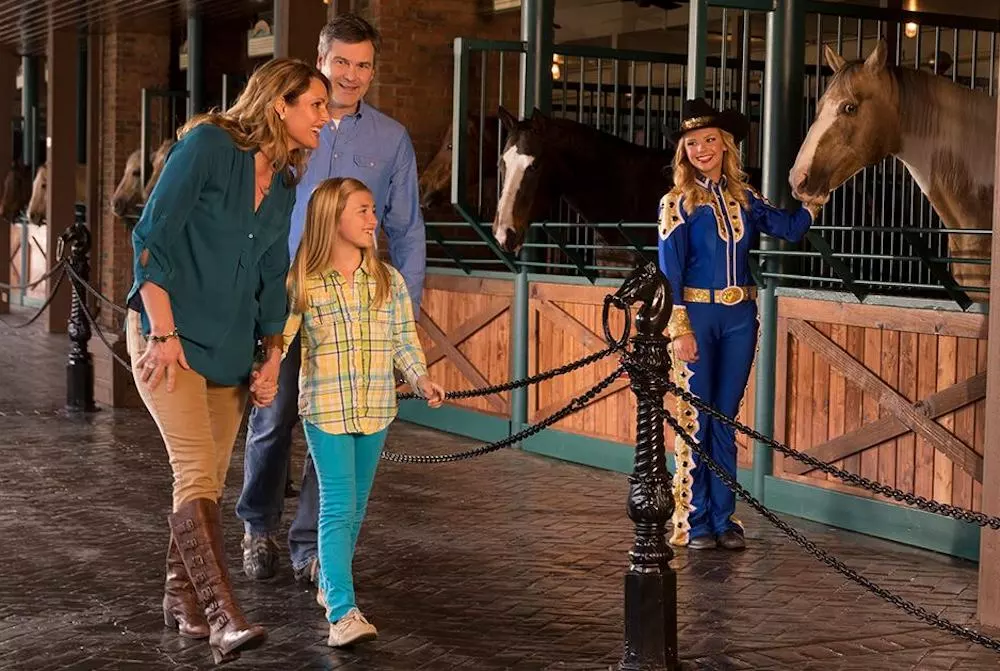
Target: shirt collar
[(362, 109), (707, 183)]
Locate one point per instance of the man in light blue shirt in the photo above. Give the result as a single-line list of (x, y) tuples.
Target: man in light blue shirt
[(363, 143)]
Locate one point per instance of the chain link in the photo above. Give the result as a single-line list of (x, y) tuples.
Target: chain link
[(931, 506), (575, 405), (826, 558), (94, 292), (523, 382)]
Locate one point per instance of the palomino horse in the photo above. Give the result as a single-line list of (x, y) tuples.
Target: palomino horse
[(602, 177), (39, 190), (435, 180), (129, 191), (942, 132)]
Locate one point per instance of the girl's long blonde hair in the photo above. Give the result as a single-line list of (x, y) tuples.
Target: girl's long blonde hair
[(685, 175), (315, 253), (253, 122)]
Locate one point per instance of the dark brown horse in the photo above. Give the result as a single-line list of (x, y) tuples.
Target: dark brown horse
[(435, 179), (602, 177)]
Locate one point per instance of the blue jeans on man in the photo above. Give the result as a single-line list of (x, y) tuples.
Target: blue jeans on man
[(265, 470)]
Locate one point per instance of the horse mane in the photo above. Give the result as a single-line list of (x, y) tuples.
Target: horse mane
[(912, 89), (604, 141)]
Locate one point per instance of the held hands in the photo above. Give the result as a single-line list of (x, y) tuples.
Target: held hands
[(264, 381), (161, 359), (432, 391), (686, 348)]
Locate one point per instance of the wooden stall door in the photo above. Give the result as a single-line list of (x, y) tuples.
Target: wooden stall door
[(892, 394)]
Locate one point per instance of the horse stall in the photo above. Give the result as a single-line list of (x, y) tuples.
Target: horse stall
[(879, 349)]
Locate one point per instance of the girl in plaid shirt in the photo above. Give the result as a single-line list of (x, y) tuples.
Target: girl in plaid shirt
[(355, 319)]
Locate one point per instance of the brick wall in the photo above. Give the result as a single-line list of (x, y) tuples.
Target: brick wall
[(414, 77), (131, 61)]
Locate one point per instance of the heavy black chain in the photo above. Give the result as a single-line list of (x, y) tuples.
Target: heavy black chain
[(575, 405), (822, 555), (929, 505), (523, 382)]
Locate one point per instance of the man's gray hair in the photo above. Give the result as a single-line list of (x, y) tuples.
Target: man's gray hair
[(350, 29)]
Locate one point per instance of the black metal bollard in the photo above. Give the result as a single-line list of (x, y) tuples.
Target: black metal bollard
[(650, 583), (80, 367)]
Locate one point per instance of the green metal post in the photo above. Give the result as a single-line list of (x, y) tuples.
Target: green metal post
[(697, 48), (195, 79), (782, 112)]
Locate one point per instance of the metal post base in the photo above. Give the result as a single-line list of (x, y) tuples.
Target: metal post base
[(651, 622), (80, 385)]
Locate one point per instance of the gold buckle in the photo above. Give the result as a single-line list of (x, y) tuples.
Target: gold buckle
[(731, 295)]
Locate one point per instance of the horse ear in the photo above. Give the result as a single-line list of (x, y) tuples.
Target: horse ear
[(877, 59), (833, 59), (506, 118)]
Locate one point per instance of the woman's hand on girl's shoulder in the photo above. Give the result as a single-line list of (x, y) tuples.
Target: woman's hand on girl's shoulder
[(431, 390)]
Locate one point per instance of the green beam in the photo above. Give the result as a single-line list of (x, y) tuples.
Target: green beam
[(697, 48), (783, 95)]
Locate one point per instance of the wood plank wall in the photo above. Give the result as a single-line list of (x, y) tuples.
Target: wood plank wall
[(917, 353)]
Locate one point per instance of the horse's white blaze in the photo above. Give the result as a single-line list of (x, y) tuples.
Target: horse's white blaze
[(807, 153), (515, 165)]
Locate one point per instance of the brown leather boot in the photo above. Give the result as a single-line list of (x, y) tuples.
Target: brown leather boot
[(198, 534), (180, 605)]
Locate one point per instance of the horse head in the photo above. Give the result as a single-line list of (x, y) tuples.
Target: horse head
[(37, 203), (527, 168), (646, 284), (855, 126), (435, 179), (16, 191), (130, 191)]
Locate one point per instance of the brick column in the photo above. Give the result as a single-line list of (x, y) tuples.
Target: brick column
[(413, 78), (8, 87), (131, 61)]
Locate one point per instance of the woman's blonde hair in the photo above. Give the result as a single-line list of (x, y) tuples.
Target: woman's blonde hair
[(685, 175), (315, 253), (253, 121)]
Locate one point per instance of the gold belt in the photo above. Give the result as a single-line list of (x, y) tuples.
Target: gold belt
[(728, 296)]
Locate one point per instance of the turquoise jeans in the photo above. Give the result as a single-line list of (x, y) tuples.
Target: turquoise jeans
[(345, 469)]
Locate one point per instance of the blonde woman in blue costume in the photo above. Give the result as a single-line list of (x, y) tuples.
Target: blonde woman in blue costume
[(708, 224), (355, 319)]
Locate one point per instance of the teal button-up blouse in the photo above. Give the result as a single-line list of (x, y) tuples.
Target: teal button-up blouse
[(222, 264)]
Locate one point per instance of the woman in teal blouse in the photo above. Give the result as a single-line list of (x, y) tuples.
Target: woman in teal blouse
[(211, 257)]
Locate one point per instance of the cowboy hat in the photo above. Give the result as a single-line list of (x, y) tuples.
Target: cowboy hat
[(697, 113)]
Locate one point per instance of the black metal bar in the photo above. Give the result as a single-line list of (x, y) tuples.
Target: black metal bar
[(570, 254), (435, 235), (80, 366), (839, 268), (938, 271)]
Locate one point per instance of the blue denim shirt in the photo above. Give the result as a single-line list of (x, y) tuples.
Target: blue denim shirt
[(371, 147)]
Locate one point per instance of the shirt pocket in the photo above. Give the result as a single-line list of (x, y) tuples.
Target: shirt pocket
[(366, 162)]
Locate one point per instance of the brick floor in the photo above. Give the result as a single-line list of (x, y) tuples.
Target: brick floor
[(509, 561)]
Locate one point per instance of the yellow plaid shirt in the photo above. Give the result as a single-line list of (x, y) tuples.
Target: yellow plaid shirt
[(346, 382)]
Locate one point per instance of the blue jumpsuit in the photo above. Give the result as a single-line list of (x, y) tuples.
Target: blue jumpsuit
[(705, 256)]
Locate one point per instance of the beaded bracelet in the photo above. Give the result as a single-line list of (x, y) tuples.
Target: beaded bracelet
[(163, 338)]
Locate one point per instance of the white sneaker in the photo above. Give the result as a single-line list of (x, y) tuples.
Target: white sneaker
[(352, 628)]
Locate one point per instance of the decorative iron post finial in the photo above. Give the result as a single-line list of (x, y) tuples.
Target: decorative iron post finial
[(650, 583)]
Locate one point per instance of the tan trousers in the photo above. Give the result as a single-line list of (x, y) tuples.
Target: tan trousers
[(198, 421)]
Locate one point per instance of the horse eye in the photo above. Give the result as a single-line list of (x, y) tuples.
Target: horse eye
[(850, 108)]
